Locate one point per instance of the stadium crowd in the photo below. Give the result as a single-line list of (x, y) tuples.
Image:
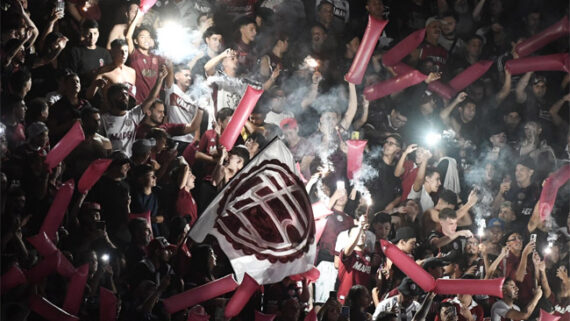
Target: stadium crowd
[(453, 183)]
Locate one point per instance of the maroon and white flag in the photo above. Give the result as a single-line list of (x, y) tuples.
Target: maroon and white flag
[(263, 219)]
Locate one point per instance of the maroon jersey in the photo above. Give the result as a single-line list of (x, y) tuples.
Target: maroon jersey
[(354, 269), (146, 69)]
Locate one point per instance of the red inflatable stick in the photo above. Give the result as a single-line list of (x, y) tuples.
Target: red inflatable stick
[(371, 35), (387, 87), (408, 266), (403, 48), (319, 229), (311, 276), (240, 116), (354, 156), (543, 38), (146, 5), (550, 190), (545, 316), (68, 143), (469, 75), (49, 311), (46, 267), (65, 268), (12, 279), (92, 174), (492, 287), (311, 316), (107, 305), (74, 295), (264, 317), (42, 244), (443, 90), (57, 210), (198, 313), (556, 62), (199, 294), (245, 290)]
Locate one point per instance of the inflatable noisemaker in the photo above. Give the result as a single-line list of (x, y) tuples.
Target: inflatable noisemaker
[(550, 190), (74, 295), (545, 316), (556, 62), (12, 279), (68, 143), (492, 287), (65, 268), (311, 316), (240, 116), (92, 174), (311, 276), (420, 276), (543, 38), (42, 244), (46, 267), (48, 310), (354, 156), (300, 173), (403, 48), (443, 90), (371, 35), (469, 75), (146, 5), (57, 210), (392, 85), (199, 294), (107, 305), (320, 210), (264, 317), (243, 293)]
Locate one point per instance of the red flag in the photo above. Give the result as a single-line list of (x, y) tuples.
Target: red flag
[(263, 219)]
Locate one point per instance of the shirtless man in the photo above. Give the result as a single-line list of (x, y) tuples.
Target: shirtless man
[(120, 30), (115, 73)]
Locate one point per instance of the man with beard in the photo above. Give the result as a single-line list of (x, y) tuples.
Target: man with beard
[(449, 39), (120, 124), (386, 188), (535, 102), (430, 49), (505, 309)]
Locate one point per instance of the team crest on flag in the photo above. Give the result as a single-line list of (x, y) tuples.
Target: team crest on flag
[(263, 219)]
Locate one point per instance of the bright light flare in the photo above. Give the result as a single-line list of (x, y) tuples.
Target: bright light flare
[(105, 257), (433, 138), (312, 62), (175, 41)]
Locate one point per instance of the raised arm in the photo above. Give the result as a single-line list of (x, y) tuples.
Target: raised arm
[(131, 29), (506, 89), (30, 26), (445, 112), (352, 105), (313, 92), (210, 66), (524, 315), (493, 267), (399, 170), (419, 181), (559, 121), (521, 86), (477, 10), (353, 241), (145, 106), (364, 118), (521, 269)]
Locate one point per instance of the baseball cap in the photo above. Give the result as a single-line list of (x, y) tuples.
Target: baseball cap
[(496, 222), (527, 162), (430, 20), (539, 78), (404, 233), (409, 288), (288, 123)]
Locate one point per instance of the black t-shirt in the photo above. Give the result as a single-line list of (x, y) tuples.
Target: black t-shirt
[(453, 251), (386, 187), (113, 197), (86, 61), (523, 199)]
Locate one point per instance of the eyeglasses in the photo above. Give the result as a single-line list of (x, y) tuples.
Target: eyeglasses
[(391, 143)]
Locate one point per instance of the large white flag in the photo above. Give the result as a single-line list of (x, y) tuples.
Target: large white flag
[(263, 219)]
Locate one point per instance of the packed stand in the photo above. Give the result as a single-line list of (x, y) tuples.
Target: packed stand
[(454, 183)]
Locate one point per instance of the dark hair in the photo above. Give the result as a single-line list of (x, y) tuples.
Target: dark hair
[(381, 217), (156, 101), (157, 133), (200, 255), (320, 25), (475, 36), (446, 213), (224, 113), (244, 21), (430, 171), (210, 32), (450, 13), (35, 107), (135, 223), (19, 79), (89, 24), (87, 112), (448, 196), (179, 67), (142, 28), (115, 89), (467, 101), (141, 170), (258, 138), (50, 39), (446, 305), (241, 152), (386, 316), (118, 43), (354, 293)]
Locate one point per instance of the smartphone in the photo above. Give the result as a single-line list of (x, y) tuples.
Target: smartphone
[(533, 237), (100, 225), (345, 312), (60, 5)]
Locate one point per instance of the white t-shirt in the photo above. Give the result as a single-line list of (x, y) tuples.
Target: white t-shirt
[(500, 309), (230, 90), (180, 108), (425, 200), (388, 305), (342, 239), (121, 130)]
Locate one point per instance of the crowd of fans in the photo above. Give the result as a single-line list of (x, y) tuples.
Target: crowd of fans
[(452, 183)]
